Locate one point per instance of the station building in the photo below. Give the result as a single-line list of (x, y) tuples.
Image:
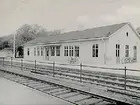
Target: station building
[(112, 44)]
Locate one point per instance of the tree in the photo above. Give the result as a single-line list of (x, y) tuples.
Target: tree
[(27, 33), (24, 34)]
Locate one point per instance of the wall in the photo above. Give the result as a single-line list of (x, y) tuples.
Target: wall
[(85, 51), (31, 55), (121, 38)]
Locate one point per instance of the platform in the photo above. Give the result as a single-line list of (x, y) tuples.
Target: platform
[(12, 93)]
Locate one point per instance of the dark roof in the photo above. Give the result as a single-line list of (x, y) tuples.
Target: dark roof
[(98, 32)]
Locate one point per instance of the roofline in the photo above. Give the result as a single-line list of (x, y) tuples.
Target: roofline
[(134, 30), (128, 23), (69, 41), (118, 30)]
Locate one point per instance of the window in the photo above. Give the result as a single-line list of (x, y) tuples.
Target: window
[(47, 51), (57, 50), (38, 52), (41, 51), (34, 51), (76, 51), (95, 49), (126, 50), (70, 50), (127, 34), (117, 50), (135, 51), (135, 47), (65, 50), (53, 51), (28, 51)]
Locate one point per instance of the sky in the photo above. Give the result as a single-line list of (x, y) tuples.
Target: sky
[(66, 15)]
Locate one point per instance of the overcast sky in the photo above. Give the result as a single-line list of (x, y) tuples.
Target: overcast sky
[(66, 14)]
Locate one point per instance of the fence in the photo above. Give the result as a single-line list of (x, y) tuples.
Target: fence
[(80, 71)]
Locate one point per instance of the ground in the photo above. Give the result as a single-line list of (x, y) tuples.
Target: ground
[(12, 93)]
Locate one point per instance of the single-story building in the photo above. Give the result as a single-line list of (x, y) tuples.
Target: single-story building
[(112, 44)]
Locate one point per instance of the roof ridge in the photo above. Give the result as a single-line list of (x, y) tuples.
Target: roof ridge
[(98, 27)]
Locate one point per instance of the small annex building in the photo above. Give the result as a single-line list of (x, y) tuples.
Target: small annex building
[(112, 44)]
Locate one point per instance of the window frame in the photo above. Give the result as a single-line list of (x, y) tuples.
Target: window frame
[(135, 47), (38, 51), (66, 51), (71, 50), (127, 34), (126, 50), (41, 51), (95, 50), (52, 51), (117, 50), (28, 51), (77, 51), (57, 50), (135, 51)]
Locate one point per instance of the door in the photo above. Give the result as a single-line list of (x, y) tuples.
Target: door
[(47, 53), (117, 53)]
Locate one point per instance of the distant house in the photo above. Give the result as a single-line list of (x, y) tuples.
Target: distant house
[(7, 52), (112, 44)]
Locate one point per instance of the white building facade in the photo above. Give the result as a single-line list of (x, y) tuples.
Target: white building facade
[(114, 44)]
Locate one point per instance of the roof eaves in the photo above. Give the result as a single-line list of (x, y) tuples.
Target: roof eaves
[(78, 40)]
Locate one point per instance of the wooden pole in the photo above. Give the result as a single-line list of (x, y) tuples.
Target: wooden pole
[(80, 72), (125, 78), (11, 62), (3, 61), (21, 64), (35, 65), (53, 68)]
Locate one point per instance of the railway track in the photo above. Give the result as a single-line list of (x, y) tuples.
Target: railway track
[(68, 94), (47, 70), (92, 77)]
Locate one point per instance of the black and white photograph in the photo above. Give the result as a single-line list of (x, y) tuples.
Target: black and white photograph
[(69, 52)]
